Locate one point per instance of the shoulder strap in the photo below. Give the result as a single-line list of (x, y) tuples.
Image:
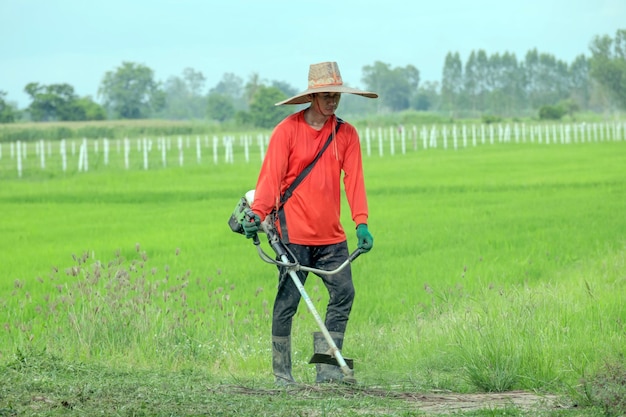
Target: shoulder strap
[(309, 167)]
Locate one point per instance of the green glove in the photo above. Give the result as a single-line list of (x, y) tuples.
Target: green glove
[(366, 241), (251, 224)]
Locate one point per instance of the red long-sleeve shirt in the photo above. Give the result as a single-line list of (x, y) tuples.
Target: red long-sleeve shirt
[(313, 211)]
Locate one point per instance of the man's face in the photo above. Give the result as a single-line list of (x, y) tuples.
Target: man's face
[(326, 103)]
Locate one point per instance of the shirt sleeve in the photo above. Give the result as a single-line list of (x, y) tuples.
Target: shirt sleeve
[(354, 182), (268, 187)]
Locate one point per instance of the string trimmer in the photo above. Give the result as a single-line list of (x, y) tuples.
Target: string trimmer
[(287, 260)]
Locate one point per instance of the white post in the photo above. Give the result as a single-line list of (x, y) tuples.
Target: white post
[(433, 137), (42, 154), (198, 150), (163, 152), (105, 145), (491, 133), (180, 151), (126, 151), (63, 152), (19, 158), (380, 142), (229, 149), (246, 150), (403, 139), (444, 132), (392, 141), (80, 159), (424, 137), (368, 141), (215, 158), (85, 154), (454, 137)]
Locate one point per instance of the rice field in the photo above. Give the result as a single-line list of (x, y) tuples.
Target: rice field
[(496, 267)]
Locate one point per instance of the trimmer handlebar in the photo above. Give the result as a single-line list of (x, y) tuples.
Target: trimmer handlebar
[(282, 251)]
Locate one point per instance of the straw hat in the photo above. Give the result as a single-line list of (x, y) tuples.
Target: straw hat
[(325, 78)]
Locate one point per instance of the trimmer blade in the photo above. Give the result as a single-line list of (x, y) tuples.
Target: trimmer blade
[(329, 360)]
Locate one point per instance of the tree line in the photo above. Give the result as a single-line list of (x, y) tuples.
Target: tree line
[(498, 84)]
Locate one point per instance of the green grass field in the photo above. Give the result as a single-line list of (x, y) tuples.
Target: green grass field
[(495, 268)]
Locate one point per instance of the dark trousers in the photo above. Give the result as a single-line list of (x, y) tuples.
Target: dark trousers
[(339, 286)]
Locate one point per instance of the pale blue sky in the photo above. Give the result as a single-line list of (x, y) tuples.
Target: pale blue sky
[(77, 41)]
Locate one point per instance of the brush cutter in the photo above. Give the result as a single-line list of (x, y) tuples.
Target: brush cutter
[(287, 260)]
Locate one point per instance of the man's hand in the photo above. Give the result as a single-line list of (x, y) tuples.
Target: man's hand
[(366, 241), (251, 224)]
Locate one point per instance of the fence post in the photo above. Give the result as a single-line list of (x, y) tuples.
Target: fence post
[(63, 151), (19, 159)]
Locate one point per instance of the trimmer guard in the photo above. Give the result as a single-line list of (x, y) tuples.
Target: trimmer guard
[(329, 360)]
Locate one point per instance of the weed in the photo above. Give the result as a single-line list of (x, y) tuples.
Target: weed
[(607, 388)]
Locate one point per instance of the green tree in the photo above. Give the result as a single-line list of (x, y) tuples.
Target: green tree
[(427, 97), (231, 86), (59, 102), (220, 107), (183, 96), (263, 112), (506, 84), (580, 85), (287, 89), (90, 109), (546, 78), (8, 113), (130, 92), (252, 86), (551, 112), (451, 82), (608, 65), (471, 82), (397, 87)]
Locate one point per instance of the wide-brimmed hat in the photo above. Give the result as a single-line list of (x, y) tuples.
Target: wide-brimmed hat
[(325, 78)]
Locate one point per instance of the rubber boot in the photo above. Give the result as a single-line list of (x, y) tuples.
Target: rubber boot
[(281, 360), (325, 372)]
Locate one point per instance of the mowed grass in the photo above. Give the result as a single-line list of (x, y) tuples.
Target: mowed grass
[(494, 268)]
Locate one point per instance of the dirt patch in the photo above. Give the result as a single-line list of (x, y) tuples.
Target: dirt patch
[(431, 403), (454, 403)]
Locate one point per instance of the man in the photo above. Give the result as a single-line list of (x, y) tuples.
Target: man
[(309, 220)]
